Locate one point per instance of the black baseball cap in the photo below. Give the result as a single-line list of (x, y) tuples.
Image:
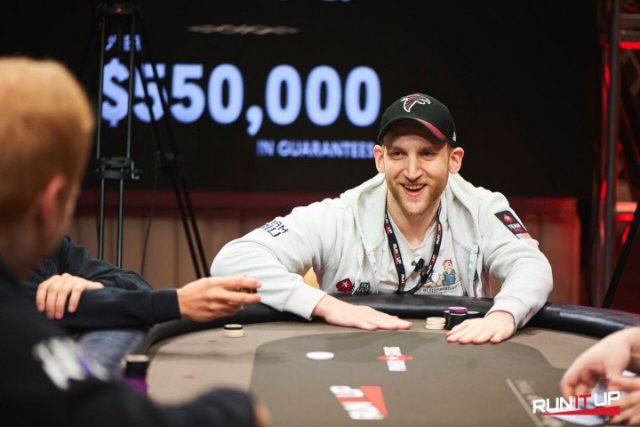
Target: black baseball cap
[(432, 114)]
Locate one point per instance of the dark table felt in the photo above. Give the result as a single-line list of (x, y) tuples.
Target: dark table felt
[(445, 384)]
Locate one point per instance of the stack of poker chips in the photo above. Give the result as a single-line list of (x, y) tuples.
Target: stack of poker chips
[(233, 330), (435, 323), (456, 315), (135, 372)]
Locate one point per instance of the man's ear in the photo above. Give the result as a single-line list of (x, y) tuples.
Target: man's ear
[(378, 155), (52, 211), (455, 160)]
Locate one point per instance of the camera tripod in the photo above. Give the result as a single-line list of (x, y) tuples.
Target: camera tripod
[(122, 168)]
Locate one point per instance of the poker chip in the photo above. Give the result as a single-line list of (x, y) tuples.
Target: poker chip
[(435, 323), (320, 355), (233, 330), (455, 319), (458, 310), (434, 326), (473, 314)]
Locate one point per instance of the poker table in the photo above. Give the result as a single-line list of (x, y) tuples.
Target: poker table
[(390, 378)]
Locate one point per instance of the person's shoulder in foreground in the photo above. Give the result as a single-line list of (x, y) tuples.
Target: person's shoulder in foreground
[(393, 233), (45, 129)]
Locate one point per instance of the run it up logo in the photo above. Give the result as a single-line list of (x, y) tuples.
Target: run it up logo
[(599, 404)]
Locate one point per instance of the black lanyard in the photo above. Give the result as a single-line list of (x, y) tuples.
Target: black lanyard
[(425, 271)]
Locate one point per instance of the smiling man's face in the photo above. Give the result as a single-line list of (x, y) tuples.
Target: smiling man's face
[(416, 168)]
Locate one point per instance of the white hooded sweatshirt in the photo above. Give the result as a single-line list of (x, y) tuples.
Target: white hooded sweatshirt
[(344, 238)]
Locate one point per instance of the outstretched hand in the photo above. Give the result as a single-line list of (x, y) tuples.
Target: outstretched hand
[(340, 313), (212, 297), (605, 360)]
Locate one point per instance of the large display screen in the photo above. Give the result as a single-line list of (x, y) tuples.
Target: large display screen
[(284, 95)]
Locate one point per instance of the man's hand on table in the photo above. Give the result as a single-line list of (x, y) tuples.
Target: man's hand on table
[(213, 297), (496, 327), (62, 290), (340, 313)]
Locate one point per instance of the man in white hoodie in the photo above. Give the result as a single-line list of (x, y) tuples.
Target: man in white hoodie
[(393, 233)]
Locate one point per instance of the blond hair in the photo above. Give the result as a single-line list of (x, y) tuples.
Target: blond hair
[(45, 129)]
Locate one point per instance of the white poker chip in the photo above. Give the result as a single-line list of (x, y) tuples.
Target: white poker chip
[(233, 330), (320, 355), (435, 323), (434, 326)]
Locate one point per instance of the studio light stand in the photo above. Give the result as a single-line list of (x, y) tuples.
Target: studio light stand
[(121, 169)]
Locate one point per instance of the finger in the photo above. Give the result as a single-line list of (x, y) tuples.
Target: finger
[(630, 401), (52, 296), (459, 328), (237, 297), (41, 293), (623, 416), (74, 298), (567, 388), (625, 383), (570, 382), (499, 336), (456, 334), (587, 380), (452, 338), (485, 337), (96, 285), (233, 283), (470, 335), (365, 324), (62, 297), (391, 323)]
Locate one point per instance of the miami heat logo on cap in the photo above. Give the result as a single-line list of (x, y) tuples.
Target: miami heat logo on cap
[(409, 101)]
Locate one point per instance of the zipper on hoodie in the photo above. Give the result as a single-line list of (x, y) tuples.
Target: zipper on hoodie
[(472, 269)]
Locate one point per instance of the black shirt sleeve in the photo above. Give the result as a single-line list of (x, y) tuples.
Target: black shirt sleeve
[(113, 308), (127, 300), (75, 260)]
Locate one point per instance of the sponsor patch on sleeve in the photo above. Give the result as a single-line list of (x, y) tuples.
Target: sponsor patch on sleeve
[(275, 228), (511, 222)]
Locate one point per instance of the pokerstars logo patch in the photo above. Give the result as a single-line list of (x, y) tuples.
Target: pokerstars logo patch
[(345, 285), (409, 101), (513, 225), (363, 403), (395, 359), (600, 404)]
